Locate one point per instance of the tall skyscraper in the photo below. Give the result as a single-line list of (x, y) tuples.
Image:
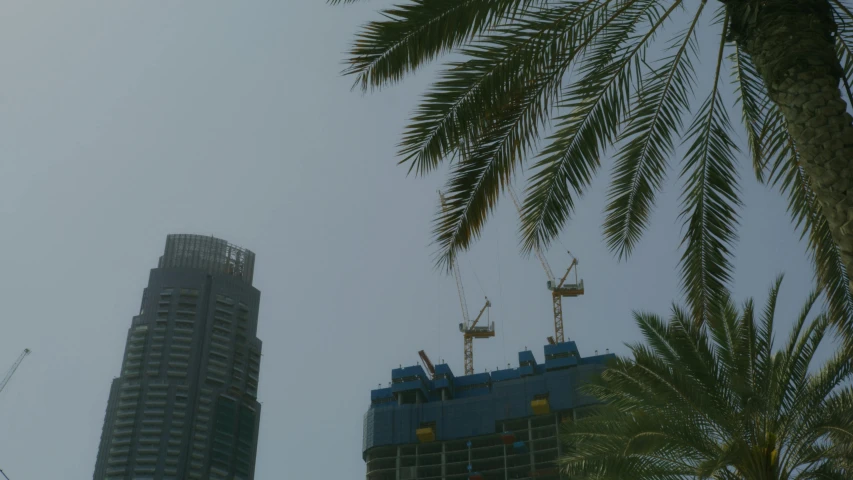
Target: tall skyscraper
[(185, 405)]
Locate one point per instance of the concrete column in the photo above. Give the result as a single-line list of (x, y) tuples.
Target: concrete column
[(506, 470), (557, 426), (399, 463), (417, 460), (443, 461), (530, 444)]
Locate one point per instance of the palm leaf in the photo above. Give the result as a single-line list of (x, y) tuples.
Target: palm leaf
[(642, 161), (477, 179), (457, 107), (486, 167), (678, 407), (806, 214), (754, 103), (711, 195), (415, 33), (596, 105), (843, 15)]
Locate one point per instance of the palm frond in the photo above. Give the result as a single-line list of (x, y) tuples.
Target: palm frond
[(843, 15), (477, 179), (764, 339), (672, 410), (417, 32), (489, 162), (748, 344), (754, 103), (818, 405), (488, 110), (844, 45), (531, 52), (647, 140), (806, 214), (710, 195), (787, 174), (596, 105)]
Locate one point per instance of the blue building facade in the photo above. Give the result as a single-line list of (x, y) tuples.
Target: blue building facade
[(500, 425)]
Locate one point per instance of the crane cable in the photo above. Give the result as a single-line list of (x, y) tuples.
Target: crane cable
[(501, 296)]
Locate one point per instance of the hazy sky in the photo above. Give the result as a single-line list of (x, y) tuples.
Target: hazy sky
[(123, 121)]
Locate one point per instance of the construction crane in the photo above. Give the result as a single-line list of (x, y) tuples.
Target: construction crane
[(472, 331), (4, 475), (13, 368), (469, 329), (428, 364), (558, 289)]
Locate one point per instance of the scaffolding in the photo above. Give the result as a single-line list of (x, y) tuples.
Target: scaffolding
[(526, 448)]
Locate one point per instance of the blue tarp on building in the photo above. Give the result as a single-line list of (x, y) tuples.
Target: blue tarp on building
[(476, 404)]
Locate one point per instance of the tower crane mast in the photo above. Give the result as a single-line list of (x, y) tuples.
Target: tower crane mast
[(473, 331), (469, 329), (558, 289), (14, 367)]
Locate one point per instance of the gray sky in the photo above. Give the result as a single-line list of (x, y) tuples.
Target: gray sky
[(123, 121)]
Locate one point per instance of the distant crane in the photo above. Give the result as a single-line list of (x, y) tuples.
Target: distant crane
[(469, 329), (558, 289), (472, 331), (12, 370), (6, 380)]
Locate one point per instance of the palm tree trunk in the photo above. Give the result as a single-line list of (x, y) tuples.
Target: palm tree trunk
[(792, 43)]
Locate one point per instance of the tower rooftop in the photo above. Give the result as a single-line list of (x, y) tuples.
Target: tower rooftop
[(208, 253)]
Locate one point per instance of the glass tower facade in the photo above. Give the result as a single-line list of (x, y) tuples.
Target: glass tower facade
[(185, 405)]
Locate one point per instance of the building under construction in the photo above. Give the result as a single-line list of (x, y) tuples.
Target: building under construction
[(432, 425)]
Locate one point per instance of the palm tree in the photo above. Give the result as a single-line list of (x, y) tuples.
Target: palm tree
[(585, 70), (719, 402)]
